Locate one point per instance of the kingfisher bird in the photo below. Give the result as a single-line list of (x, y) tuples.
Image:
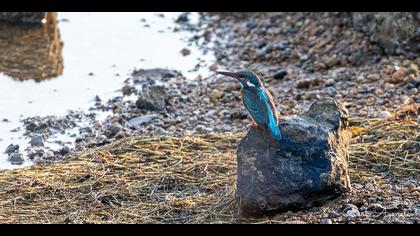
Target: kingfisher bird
[(258, 101)]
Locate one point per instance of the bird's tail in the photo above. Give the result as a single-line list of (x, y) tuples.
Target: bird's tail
[(274, 130)]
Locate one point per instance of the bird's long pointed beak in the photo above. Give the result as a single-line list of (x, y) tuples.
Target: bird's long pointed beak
[(229, 74)]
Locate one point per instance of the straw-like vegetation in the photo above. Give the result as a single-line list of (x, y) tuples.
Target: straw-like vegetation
[(387, 146), (173, 180)]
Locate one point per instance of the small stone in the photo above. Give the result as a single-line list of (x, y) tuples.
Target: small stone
[(16, 158), (185, 52), (152, 98), (202, 129), (329, 82), (384, 114), (393, 207), (250, 25), (238, 113), (64, 150), (332, 61), (138, 121), (325, 221), (280, 74), (410, 186), (5, 120), (376, 207), (91, 74), (353, 213), (348, 207), (331, 91), (11, 149), (307, 83), (112, 130), (182, 18), (397, 76), (37, 141), (118, 136), (386, 186), (213, 67), (215, 95), (48, 155), (127, 90), (211, 112)]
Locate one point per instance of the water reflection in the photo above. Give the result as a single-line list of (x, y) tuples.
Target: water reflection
[(31, 51)]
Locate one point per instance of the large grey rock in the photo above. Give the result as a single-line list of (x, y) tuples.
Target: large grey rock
[(23, 17), (395, 32), (308, 167)]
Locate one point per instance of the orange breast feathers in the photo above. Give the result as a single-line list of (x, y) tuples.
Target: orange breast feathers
[(272, 104)]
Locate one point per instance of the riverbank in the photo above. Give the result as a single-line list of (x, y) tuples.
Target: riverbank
[(191, 179)]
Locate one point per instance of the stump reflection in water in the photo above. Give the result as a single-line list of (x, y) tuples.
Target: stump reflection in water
[(31, 51)]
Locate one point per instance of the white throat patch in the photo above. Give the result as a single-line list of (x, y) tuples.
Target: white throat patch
[(250, 84)]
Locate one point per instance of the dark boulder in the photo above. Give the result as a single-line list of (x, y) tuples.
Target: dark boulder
[(308, 167)]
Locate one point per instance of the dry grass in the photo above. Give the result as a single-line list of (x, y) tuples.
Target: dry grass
[(387, 146), (160, 180), (172, 180)]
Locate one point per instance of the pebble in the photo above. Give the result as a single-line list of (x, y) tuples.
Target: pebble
[(329, 82), (138, 121), (215, 95), (377, 207), (64, 150), (238, 113), (384, 114), (183, 18), (185, 52), (37, 141), (48, 155), (16, 158), (331, 91), (112, 130), (127, 90), (326, 221), (213, 67), (202, 129), (306, 83), (348, 207), (410, 186), (353, 213), (11, 149), (280, 74)]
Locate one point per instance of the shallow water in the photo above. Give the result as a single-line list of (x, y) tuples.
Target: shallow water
[(39, 75)]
